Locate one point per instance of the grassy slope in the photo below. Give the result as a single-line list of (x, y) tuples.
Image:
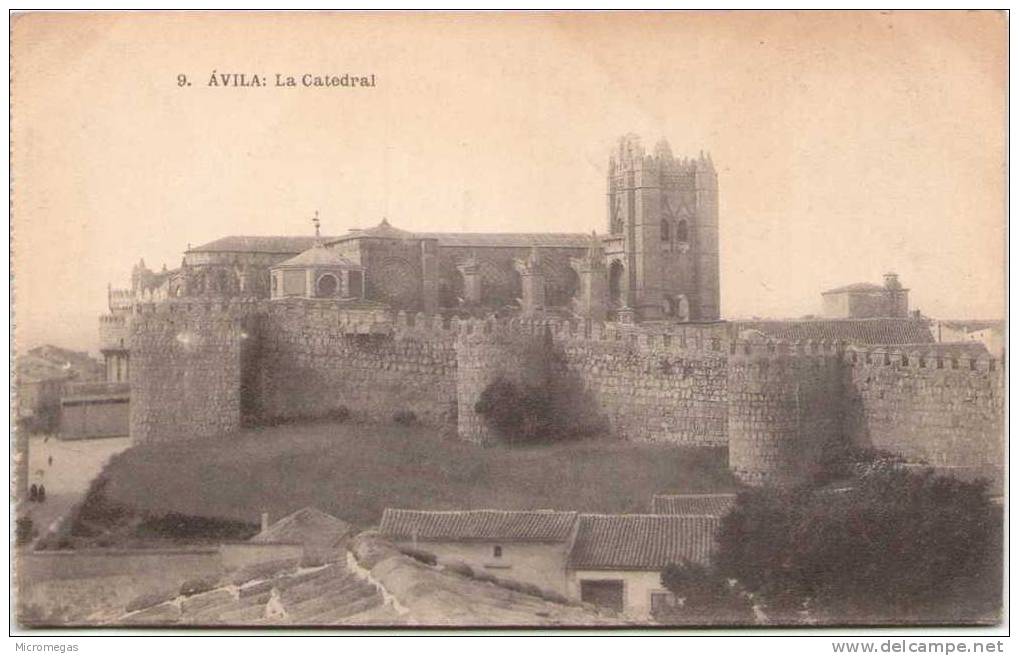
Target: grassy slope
[(354, 471)]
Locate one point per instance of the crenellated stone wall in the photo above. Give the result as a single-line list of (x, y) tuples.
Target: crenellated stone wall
[(665, 384), (947, 411), (204, 368), (187, 363), (784, 407), (316, 359)]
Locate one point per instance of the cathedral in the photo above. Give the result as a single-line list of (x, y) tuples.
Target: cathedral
[(656, 261)]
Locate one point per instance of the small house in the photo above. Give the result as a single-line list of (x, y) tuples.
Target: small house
[(617, 560), (530, 546)]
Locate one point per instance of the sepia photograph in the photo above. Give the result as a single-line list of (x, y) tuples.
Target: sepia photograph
[(541, 321)]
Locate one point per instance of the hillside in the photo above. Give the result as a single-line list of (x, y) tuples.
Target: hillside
[(355, 471)]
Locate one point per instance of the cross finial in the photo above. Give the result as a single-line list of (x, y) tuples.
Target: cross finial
[(316, 223)]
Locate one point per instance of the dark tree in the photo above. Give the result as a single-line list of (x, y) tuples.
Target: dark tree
[(702, 596), (895, 545)]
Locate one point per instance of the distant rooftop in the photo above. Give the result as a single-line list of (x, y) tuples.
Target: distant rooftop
[(859, 331), (319, 256), (467, 525), (856, 287), (259, 244)]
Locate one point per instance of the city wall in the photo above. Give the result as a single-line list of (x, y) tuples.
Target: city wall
[(315, 360), (187, 364), (946, 411), (199, 371)]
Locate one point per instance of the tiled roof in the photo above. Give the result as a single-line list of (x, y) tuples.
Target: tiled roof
[(259, 244), (713, 505), (855, 287), (308, 526), (415, 594), (467, 525), (642, 542), (859, 331), (318, 256), (322, 596)]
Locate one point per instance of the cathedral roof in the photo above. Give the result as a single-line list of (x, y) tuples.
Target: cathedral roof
[(382, 231), (258, 244), (511, 239), (318, 256)]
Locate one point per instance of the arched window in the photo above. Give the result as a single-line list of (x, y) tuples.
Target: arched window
[(327, 285), (665, 230), (616, 283), (682, 231)]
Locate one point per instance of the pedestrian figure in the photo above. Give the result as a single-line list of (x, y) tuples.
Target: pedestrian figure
[(42, 493), (33, 492), (51, 461)]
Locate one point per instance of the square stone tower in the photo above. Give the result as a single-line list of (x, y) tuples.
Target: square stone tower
[(663, 233)]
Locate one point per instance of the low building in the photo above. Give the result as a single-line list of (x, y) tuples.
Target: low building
[(989, 333), (864, 300), (95, 409), (710, 505), (321, 536), (616, 560), (613, 561), (530, 546)]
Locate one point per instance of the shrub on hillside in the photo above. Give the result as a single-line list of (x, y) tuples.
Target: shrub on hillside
[(339, 414), (405, 418), (707, 597), (185, 528)]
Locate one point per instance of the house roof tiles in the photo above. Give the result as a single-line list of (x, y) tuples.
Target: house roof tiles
[(859, 331), (713, 505), (478, 525), (642, 542)]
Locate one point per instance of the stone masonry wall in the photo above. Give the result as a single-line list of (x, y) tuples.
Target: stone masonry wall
[(187, 361), (654, 386), (944, 411), (200, 368), (784, 408), (313, 364)]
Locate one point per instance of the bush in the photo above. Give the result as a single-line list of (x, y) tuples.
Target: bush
[(339, 414), (708, 598), (179, 527), (405, 418), (550, 411)]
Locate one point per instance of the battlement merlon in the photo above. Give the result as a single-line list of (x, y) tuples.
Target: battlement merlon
[(880, 357)]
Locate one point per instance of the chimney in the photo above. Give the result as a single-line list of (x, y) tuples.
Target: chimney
[(265, 522)]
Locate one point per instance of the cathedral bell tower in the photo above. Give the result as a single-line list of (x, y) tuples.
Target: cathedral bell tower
[(663, 222)]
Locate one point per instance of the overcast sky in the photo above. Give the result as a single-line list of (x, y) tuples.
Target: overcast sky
[(847, 145)]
